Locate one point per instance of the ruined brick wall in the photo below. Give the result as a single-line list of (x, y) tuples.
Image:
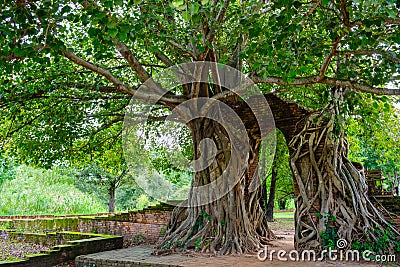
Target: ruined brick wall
[(149, 223), (391, 205), (131, 231), (288, 116), (64, 247)]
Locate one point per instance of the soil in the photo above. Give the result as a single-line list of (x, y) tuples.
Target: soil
[(10, 250)]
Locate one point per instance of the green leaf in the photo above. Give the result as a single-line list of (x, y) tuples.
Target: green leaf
[(386, 107), (186, 16), (179, 4), (325, 3), (108, 4), (92, 32), (111, 24), (66, 9), (392, 13), (112, 32), (375, 105), (122, 36), (296, 4), (194, 8), (100, 15), (204, 2), (19, 52), (124, 29)]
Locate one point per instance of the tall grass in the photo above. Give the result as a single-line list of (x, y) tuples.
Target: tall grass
[(39, 191)]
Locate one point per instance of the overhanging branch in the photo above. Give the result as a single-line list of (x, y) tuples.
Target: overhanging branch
[(108, 124), (370, 52), (179, 47), (163, 58), (361, 87), (315, 79), (133, 62), (328, 58), (119, 85)]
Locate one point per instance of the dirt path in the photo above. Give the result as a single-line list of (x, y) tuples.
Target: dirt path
[(142, 255)]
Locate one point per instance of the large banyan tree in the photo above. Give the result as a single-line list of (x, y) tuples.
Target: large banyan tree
[(70, 68)]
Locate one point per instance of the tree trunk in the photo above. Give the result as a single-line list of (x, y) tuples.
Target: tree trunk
[(263, 196), (271, 198), (331, 192), (111, 201), (282, 203), (210, 220)]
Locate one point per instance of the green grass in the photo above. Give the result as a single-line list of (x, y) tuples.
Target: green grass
[(284, 215), (39, 191), (282, 221)]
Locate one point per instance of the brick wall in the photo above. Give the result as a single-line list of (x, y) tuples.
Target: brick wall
[(129, 230), (149, 223), (68, 250), (392, 205)]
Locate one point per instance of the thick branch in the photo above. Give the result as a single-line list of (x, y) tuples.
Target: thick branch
[(328, 58), (102, 89), (315, 79), (370, 52), (108, 124), (220, 17), (361, 87), (106, 115), (163, 58), (133, 62), (393, 21), (11, 57), (197, 86), (120, 86), (179, 47), (99, 70)]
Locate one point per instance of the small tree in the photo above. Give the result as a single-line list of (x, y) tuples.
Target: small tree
[(7, 171), (98, 175), (281, 182)]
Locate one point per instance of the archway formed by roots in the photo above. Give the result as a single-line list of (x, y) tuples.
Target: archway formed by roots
[(330, 192)]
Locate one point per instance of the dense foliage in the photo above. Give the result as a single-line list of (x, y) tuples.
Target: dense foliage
[(57, 107)]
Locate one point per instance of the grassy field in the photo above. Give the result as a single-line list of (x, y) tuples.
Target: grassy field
[(282, 221), (38, 191), (284, 215)]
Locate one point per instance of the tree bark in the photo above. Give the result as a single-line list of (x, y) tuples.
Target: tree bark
[(111, 201), (397, 183), (233, 223), (271, 198)]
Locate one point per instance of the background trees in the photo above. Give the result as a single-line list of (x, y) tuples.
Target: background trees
[(7, 171), (282, 190), (35, 191)]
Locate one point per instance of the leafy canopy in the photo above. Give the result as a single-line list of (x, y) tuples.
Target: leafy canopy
[(70, 68)]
